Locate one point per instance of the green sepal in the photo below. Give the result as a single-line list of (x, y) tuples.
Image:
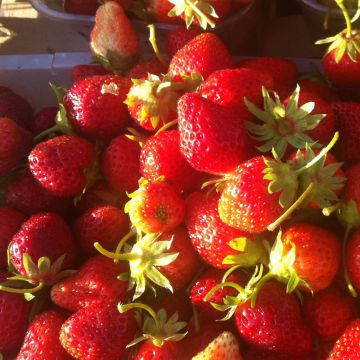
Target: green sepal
[(29, 297), (348, 214)]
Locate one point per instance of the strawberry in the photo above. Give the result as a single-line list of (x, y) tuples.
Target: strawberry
[(329, 312), (178, 38), (83, 71), (44, 119), (98, 332), (319, 88), (53, 164), (105, 224), (348, 345), (25, 194), (15, 107), (15, 143), (10, 222), (113, 38), (125, 4), (352, 259), (156, 207), (120, 164), (80, 7), (348, 123), (258, 354), (160, 157), (213, 239), (95, 106), (225, 347), (209, 144), (204, 54), (142, 69), (42, 338), (95, 283), (159, 9)]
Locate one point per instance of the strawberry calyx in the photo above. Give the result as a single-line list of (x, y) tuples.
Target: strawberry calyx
[(112, 61), (283, 125), (144, 257), (156, 327), (348, 214), (194, 9)]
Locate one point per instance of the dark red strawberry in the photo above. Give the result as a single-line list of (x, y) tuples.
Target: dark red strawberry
[(159, 10), (105, 224), (320, 89), (83, 71), (353, 259), (80, 7), (44, 119), (258, 354), (178, 38), (120, 164), (95, 106), (54, 165), (98, 332), (42, 338), (95, 283), (10, 222), (204, 54), (142, 69)]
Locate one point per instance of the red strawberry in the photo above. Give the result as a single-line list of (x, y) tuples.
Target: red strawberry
[(178, 38), (54, 165), (160, 156), (329, 312), (125, 4), (204, 54), (80, 7), (159, 9), (15, 107), (258, 354), (113, 38), (348, 124), (120, 164), (105, 224), (148, 351), (352, 259), (211, 237), (83, 71), (209, 144), (95, 106), (15, 143), (98, 332), (44, 119), (25, 194), (95, 283), (10, 222), (348, 345), (142, 69), (320, 89), (42, 338)]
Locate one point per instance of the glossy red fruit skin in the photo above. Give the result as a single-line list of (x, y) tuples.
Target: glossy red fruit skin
[(42, 338), (320, 89), (95, 283), (275, 323), (353, 259), (55, 167), (98, 332), (160, 156), (148, 351), (43, 234), (206, 143), (83, 71), (44, 119), (25, 194), (159, 9), (15, 143), (352, 187), (348, 124), (178, 38), (245, 202), (204, 54), (258, 354), (347, 347), (105, 225), (142, 69), (209, 235), (95, 106), (329, 312), (120, 164)]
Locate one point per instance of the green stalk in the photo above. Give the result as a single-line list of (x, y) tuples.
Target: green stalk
[(220, 286), (22, 291), (111, 255), (152, 39), (259, 286), (340, 4)]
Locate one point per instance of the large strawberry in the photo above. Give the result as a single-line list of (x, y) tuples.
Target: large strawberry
[(95, 106), (42, 338), (178, 38), (54, 165)]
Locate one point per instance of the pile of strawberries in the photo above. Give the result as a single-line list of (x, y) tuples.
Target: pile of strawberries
[(198, 209)]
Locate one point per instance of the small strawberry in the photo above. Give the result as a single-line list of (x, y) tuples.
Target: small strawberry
[(204, 54), (54, 165), (95, 106), (44, 119), (83, 71), (95, 283), (120, 164), (178, 38), (10, 222), (80, 7), (98, 332), (42, 338), (113, 38), (142, 69)]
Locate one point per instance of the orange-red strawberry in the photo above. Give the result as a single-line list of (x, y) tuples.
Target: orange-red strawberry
[(15, 143), (44, 119), (209, 144), (42, 338), (54, 165), (178, 38), (95, 106), (98, 332), (120, 164), (204, 54), (104, 224), (82, 71), (10, 222), (95, 283), (113, 38)]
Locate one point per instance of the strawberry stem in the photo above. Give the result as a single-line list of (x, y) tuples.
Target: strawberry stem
[(152, 39), (196, 319), (220, 286), (22, 291), (346, 274), (45, 133), (258, 287), (340, 4), (331, 209), (115, 256), (123, 241), (167, 126)]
